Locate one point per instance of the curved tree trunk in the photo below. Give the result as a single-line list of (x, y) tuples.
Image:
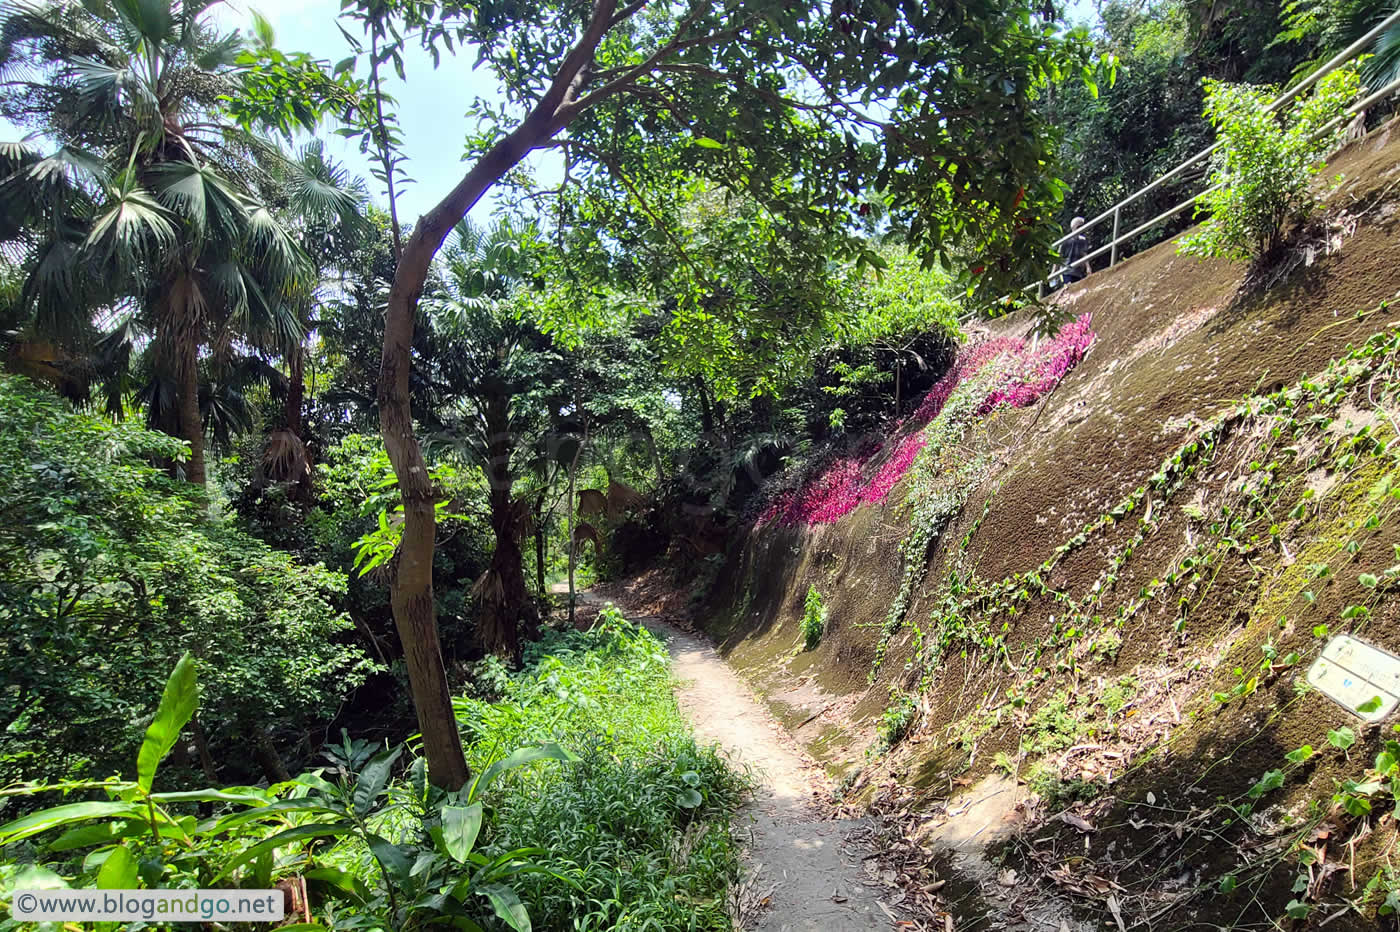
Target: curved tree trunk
[(411, 593)]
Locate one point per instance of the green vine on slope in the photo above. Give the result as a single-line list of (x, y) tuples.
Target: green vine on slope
[(1291, 412)]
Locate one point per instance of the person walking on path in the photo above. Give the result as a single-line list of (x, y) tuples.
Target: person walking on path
[(1073, 251)]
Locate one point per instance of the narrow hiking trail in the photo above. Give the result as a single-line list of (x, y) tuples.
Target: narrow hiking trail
[(802, 873)]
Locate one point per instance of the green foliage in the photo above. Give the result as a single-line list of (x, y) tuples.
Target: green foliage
[(1263, 171), (897, 718), (109, 571), (431, 871), (813, 618), (640, 823), (1142, 126)]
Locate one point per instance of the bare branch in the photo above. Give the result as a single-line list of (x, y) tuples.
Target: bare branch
[(578, 59)]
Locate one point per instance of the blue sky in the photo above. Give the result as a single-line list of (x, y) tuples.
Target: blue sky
[(431, 107)]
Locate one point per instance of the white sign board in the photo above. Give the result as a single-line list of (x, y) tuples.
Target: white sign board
[(1355, 675)]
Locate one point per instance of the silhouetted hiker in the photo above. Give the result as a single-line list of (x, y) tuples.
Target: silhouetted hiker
[(1073, 251)]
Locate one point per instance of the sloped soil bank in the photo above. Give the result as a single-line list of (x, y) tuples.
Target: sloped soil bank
[(1118, 617)]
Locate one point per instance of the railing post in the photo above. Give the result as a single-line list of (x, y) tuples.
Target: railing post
[(1113, 253)]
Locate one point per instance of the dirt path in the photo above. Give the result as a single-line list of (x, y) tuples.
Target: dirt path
[(800, 876)]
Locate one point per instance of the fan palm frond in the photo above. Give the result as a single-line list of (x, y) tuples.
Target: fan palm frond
[(281, 262), (201, 197), (132, 228), (58, 288), (110, 95), (148, 22), (1384, 64)]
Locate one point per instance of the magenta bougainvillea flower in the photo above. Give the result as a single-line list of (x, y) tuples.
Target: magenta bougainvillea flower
[(1025, 377)]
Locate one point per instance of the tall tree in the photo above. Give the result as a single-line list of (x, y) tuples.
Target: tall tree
[(800, 105), (501, 368)]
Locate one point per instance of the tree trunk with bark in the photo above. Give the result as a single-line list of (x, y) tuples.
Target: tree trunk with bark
[(505, 601), (186, 353), (411, 592), (268, 759), (296, 390), (540, 553)]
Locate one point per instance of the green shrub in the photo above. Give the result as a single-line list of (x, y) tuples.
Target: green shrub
[(896, 719), (813, 618), (110, 571), (1264, 166), (631, 832), (402, 855), (641, 822)]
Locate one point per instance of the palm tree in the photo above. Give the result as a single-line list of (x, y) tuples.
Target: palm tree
[(326, 209), (150, 217), (494, 358)]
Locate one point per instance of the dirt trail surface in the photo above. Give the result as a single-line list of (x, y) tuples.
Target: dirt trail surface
[(804, 870)]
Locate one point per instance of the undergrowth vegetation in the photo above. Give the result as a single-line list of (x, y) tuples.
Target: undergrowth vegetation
[(1263, 170), (813, 618), (641, 821), (592, 808)]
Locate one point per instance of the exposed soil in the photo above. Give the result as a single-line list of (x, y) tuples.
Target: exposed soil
[(1098, 684)]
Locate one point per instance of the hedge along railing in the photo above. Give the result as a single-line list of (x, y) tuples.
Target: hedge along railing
[(1115, 212)]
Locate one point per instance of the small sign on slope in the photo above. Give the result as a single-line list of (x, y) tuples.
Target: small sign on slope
[(1361, 678)]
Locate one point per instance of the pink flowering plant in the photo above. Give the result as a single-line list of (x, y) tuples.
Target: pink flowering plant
[(1003, 371)]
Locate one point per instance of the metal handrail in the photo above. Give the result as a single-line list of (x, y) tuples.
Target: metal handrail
[(1111, 247), (1341, 58)]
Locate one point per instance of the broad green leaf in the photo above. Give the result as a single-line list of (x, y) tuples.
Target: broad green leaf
[(1227, 883), (373, 778), (518, 758), (45, 819), (309, 804), (34, 877), (507, 905), (460, 826), (1370, 705), (705, 142), (343, 881), (99, 833), (118, 871), (290, 836), (1355, 805), (1271, 780), (689, 799), (1341, 738), (250, 795), (395, 860), (177, 704), (1300, 754)]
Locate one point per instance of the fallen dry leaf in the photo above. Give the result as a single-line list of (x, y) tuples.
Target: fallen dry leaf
[(1117, 911), (1079, 822)]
